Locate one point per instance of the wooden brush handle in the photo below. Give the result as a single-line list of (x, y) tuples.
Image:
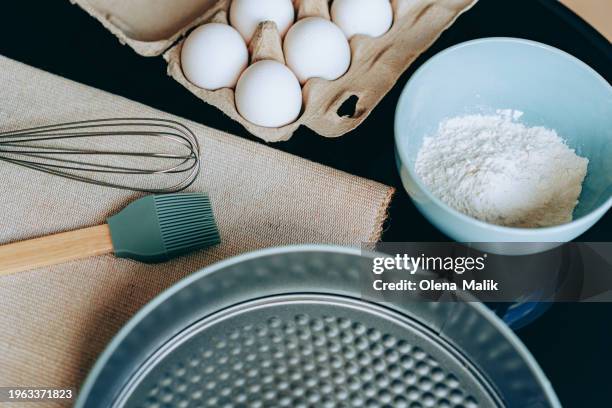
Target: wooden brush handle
[(55, 249)]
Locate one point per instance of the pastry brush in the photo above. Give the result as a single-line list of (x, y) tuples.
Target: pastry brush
[(152, 229)]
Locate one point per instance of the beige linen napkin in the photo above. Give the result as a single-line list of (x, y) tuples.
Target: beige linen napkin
[(55, 321)]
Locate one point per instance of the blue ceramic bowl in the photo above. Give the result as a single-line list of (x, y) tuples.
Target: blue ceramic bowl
[(551, 87)]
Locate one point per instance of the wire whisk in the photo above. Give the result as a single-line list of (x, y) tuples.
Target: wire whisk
[(121, 153)]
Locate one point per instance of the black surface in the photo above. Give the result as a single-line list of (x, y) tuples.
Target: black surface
[(573, 343)]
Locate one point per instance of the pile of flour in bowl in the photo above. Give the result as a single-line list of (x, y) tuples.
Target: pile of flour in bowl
[(498, 170)]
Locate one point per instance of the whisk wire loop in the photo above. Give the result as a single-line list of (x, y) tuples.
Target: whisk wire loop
[(69, 150)]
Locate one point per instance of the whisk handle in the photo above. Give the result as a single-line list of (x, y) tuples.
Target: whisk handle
[(55, 249)]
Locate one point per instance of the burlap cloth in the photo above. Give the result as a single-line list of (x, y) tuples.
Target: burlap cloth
[(54, 322)]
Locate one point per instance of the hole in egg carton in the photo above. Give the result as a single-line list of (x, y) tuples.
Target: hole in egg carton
[(348, 108), (372, 58)]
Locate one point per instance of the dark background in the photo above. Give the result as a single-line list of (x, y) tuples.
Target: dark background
[(572, 342)]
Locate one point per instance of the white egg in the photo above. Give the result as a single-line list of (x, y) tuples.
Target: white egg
[(368, 17), (213, 56), (245, 15), (316, 48), (268, 94)]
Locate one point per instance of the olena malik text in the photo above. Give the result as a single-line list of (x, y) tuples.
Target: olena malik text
[(487, 285)]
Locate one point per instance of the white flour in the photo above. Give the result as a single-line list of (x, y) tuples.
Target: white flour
[(495, 169)]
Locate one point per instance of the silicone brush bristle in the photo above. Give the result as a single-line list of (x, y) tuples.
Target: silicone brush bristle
[(159, 228), (186, 222)]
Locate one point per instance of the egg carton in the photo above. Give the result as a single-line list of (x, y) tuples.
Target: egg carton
[(330, 108)]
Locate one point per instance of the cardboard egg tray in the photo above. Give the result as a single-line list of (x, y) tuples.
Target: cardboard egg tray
[(153, 27)]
